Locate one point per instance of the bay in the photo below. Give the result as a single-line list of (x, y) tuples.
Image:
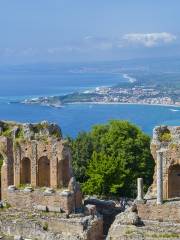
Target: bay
[(75, 117)]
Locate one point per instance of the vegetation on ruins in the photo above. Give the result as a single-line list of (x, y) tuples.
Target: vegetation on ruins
[(45, 226), (38, 131), (109, 159), (165, 136)]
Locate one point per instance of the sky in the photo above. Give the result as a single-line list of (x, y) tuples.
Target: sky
[(88, 30)]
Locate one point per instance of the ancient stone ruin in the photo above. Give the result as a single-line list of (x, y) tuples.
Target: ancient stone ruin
[(37, 177), (42, 200), (37, 160), (157, 214), (165, 148)]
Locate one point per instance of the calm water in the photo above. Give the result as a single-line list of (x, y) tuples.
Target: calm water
[(76, 117)]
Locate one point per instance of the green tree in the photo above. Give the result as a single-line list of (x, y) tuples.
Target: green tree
[(116, 155), (82, 149)]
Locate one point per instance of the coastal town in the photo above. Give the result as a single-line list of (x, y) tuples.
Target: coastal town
[(136, 94), (139, 95)]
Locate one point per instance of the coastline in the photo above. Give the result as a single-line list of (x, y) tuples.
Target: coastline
[(129, 78), (120, 103), (103, 103)]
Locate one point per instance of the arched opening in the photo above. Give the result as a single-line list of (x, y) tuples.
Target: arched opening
[(174, 181), (63, 172), (43, 172), (1, 163), (25, 177)]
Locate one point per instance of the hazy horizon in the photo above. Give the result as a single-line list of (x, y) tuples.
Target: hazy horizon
[(87, 31)]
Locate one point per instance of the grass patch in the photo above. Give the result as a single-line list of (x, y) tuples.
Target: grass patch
[(45, 226), (23, 186), (130, 232), (6, 205), (163, 235)]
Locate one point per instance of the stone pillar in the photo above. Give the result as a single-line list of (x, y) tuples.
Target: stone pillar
[(17, 163), (159, 177), (53, 170), (54, 165), (34, 163), (140, 193), (7, 174), (140, 189), (4, 181)]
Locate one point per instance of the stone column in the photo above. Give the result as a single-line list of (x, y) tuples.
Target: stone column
[(4, 180), (140, 193), (54, 165), (34, 163), (140, 189), (17, 166), (54, 172), (159, 177)]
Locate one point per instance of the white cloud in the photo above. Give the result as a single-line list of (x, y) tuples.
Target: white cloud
[(94, 45), (149, 39)]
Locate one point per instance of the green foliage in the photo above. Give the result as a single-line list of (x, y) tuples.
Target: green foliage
[(109, 159), (7, 205), (56, 134), (43, 125), (1, 160), (82, 149), (20, 133), (7, 130), (165, 136), (38, 127), (45, 226), (23, 185)]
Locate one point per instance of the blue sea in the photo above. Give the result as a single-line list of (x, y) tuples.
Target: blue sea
[(17, 85)]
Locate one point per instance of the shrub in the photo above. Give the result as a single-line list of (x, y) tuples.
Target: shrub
[(165, 136)]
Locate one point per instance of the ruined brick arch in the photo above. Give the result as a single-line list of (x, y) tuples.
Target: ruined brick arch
[(43, 173), (174, 181), (25, 171), (63, 171)]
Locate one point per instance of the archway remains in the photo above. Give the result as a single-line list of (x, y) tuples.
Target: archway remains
[(174, 181)]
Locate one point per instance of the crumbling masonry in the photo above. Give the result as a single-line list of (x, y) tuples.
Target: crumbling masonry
[(165, 148), (36, 167)]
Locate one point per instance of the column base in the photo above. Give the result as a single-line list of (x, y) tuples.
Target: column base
[(138, 201)]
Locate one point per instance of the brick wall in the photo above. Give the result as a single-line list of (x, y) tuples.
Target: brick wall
[(165, 212), (21, 199)]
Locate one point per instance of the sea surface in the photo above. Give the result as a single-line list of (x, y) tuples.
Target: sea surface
[(75, 117)]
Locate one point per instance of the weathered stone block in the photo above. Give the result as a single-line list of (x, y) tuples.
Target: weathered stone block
[(41, 208)]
